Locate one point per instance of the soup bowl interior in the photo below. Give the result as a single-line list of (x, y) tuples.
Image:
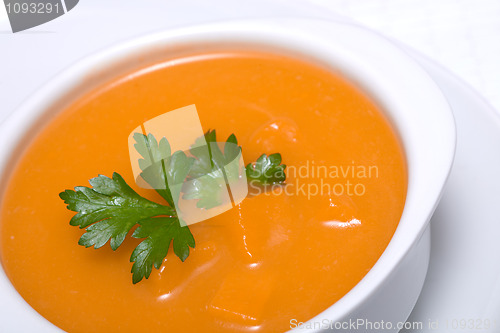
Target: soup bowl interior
[(410, 99)]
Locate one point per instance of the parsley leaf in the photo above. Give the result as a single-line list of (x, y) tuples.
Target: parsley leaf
[(159, 233), (211, 170), (267, 170), (159, 169), (208, 155), (208, 189), (109, 210), (152, 163)]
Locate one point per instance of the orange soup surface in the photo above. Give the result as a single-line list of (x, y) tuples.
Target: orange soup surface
[(275, 257)]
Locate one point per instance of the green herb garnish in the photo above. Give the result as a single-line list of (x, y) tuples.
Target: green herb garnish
[(110, 209), (159, 232), (267, 170), (211, 170)]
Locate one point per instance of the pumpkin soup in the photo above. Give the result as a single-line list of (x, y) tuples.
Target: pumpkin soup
[(285, 253)]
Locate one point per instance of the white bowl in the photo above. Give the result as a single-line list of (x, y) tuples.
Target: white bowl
[(412, 101)]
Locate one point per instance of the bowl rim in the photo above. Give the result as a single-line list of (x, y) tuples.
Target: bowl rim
[(362, 56)]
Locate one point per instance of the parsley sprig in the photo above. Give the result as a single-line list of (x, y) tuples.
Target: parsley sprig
[(268, 170), (110, 208)]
